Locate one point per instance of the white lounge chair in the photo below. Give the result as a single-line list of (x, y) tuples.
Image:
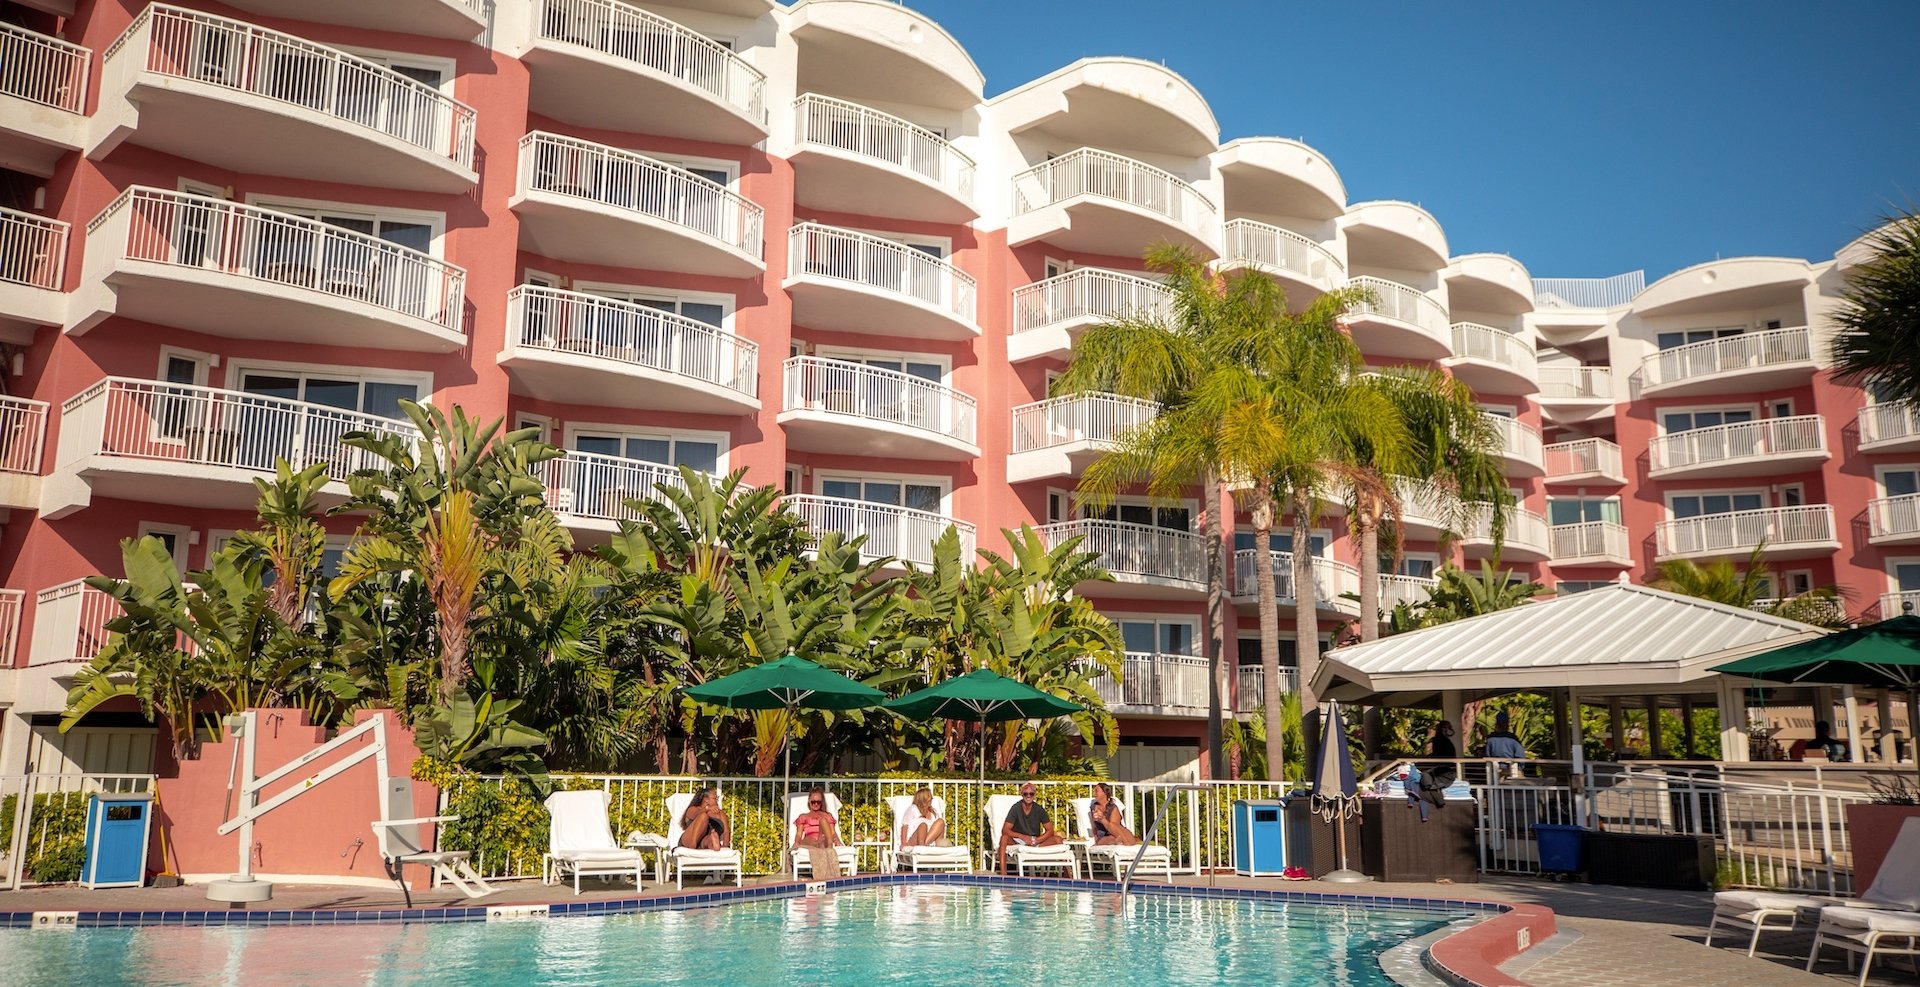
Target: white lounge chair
[(849, 855), (580, 841), (1895, 888), (401, 843), (919, 858), (695, 861), (1866, 931), (1023, 857), (1154, 860)]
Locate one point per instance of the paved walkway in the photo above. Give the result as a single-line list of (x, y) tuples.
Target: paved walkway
[(1620, 937)]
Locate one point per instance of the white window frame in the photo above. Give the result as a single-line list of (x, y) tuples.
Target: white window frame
[(434, 221), (1880, 471), (1325, 535), (606, 289), (1191, 620), (1775, 405), (1788, 577), (182, 535), (861, 356), (1800, 491), (238, 369), (721, 468), (1189, 504), (1503, 410), (544, 279), (1766, 496), (447, 67), (821, 475), (945, 243), (1603, 498), (1660, 414), (688, 162), (522, 419), (1051, 262), (202, 360), (1893, 564)]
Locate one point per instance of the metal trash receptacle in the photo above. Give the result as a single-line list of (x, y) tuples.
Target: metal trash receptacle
[(1259, 837), (118, 826), (1562, 848)]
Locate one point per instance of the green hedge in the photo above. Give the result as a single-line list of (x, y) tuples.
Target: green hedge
[(56, 837)]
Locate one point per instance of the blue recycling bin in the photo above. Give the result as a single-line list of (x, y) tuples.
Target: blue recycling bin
[(1562, 848), (1259, 837), (116, 842)]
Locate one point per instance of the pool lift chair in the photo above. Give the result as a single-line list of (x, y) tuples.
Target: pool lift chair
[(400, 843)]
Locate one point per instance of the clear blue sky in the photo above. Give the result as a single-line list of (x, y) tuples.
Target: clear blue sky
[(1584, 138)]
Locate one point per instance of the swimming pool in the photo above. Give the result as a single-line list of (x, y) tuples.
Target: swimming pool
[(909, 934)]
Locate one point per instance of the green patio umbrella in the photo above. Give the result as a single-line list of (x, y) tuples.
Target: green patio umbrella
[(1885, 655), (983, 696)]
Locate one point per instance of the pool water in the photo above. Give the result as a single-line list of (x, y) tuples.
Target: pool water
[(910, 934)]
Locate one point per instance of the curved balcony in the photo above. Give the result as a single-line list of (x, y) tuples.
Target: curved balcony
[(1048, 316), (455, 20), (1779, 532), (1493, 361), (1768, 447), (1279, 176), (1250, 680), (1098, 202), (1728, 284), (1593, 462), (594, 204), (583, 349), (160, 443), (1393, 234), (1749, 362), (1396, 589), (227, 269), (1890, 427), (23, 432), (70, 623), (1112, 102), (1399, 322), (612, 66), (891, 532), (33, 268), (43, 98), (1425, 509), (1569, 395), (1591, 543), (1520, 446), (858, 282), (1526, 538), (1153, 684), (854, 159), (593, 493), (837, 406), (880, 50), (1485, 282), (1145, 560), (1304, 268), (251, 100), (1332, 582), (1061, 437), (1894, 520)]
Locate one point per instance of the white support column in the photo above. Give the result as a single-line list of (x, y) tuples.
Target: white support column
[(1453, 705), (1855, 753), (1576, 744), (1883, 711), (1733, 721)]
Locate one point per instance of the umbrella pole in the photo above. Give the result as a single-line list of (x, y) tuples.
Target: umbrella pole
[(786, 787), (983, 750)]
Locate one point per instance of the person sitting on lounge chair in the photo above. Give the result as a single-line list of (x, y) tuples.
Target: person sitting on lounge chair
[(816, 833), (921, 824), (706, 825), (1027, 825), (1109, 822)]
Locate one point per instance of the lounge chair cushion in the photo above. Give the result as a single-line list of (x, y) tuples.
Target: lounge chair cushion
[(698, 855), (1756, 901), (1845, 917)]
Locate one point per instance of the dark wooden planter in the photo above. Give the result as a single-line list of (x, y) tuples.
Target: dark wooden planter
[(1651, 860), (1399, 847), (1310, 841), (1871, 829)]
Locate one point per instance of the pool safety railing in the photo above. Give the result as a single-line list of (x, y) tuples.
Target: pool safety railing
[(1146, 838)]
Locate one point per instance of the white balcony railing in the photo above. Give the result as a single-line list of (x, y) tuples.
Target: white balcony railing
[(1564, 383), (879, 395), (33, 250), (871, 134), (1089, 293), (1283, 250), (1803, 435), (1591, 540), (1892, 421), (891, 531), (557, 321), (1110, 176), (195, 232), (1486, 344), (1411, 306), (1739, 532), (23, 429), (1728, 354), (590, 485), (235, 55), (1589, 292), (1251, 680), (11, 603), (1424, 503), (1128, 549), (1332, 580), (1077, 418), (1899, 603), (877, 262), (656, 45), (123, 418), (632, 181), (1582, 457), (1396, 589), (1894, 517), (1518, 440), (70, 623), (1525, 530), (1162, 682), (44, 70)]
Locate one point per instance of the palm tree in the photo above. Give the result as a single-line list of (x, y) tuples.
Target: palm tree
[(1457, 594), (1750, 587), (1877, 343)]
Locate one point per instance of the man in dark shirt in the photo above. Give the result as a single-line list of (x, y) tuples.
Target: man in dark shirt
[(1027, 825)]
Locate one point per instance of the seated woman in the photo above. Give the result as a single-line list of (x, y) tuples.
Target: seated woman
[(1109, 826), (816, 832), (706, 826), (921, 824)]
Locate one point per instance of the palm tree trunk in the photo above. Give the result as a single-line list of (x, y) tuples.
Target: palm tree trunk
[(1219, 686), (1269, 600), (1366, 525), (1306, 627)]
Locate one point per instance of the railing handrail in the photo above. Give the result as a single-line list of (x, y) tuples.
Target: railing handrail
[(1095, 416), (895, 510), (1500, 347), (1131, 529), (457, 134), (736, 373), (1242, 236), (1589, 292), (112, 383), (1082, 282), (56, 78), (885, 373), (575, 472), (1576, 383), (1428, 314), (750, 214), (959, 176), (33, 249), (807, 506), (669, 58), (26, 419), (1893, 515), (1043, 171), (1740, 440), (1818, 518), (953, 288), (1791, 344), (1889, 420)]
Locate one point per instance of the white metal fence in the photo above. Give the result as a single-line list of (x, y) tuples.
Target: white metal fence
[(235, 55), (870, 133), (23, 429), (1728, 354), (557, 321), (1588, 292), (1136, 550), (1890, 421), (12, 601), (876, 262), (630, 180), (1423, 503), (1156, 683), (1396, 589), (1797, 436), (1576, 383), (43, 823), (1582, 457), (878, 394), (1280, 249), (33, 249), (658, 45), (1518, 440), (1603, 541), (1110, 176), (1525, 530), (1332, 581), (1411, 306), (1250, 681), (178, 229), (1892, 516), (1474, 341), (42, 69), (891, 531), (1078, 418), (591, 485), (1089, 293), (1896, 603), (1738, 532)]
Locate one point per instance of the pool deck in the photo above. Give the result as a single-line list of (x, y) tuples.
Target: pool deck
[(1608, 935)]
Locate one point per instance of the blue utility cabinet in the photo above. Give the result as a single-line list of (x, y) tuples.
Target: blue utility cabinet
[(116, 849), (1259, 837)]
